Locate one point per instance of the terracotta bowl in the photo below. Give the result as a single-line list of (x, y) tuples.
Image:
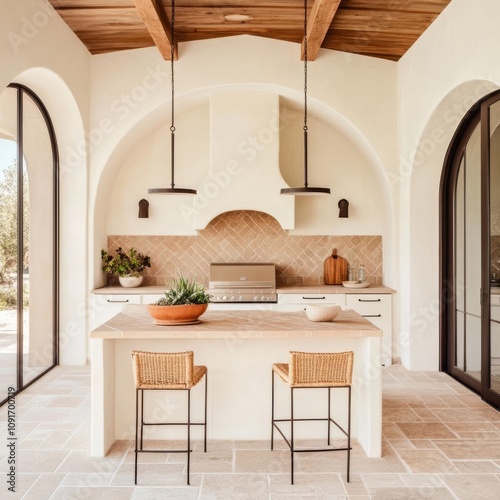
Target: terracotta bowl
[(322, 312), (177, 315)]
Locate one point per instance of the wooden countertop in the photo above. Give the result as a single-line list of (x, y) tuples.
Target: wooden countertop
[(135, 322), (159, 289)]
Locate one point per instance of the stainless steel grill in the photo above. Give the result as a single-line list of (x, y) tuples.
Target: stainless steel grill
[(243, 283)]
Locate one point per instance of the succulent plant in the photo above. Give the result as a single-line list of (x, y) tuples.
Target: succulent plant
[(183, 292)]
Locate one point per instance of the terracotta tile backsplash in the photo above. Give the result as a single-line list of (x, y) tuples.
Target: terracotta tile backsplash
[(249, 236)]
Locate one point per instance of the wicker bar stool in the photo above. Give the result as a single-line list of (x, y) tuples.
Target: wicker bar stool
[(166, 371), (311, 370)]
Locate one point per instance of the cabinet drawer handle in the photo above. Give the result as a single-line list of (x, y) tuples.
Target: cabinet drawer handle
[(118, 301), (371, 315), (314, 298), (369, 300)]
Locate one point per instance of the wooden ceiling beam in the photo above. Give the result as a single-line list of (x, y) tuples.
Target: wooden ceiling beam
[(322, 14), (155, 19)]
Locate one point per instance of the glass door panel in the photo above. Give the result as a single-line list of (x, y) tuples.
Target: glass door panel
[(494, 252), (459, 251), (466, 356), (9, 316), (38, 263)]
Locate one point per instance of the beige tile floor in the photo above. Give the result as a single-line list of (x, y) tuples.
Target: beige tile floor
[(440, 442)]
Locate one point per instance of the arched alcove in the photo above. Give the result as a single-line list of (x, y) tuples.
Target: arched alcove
[(420, 180)]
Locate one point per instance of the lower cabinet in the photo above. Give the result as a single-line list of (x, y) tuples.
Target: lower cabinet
[(377, 308)]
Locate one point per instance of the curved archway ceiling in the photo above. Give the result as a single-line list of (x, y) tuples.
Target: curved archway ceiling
[(379, 28)]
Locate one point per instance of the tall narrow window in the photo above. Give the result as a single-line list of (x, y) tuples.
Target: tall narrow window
[(28, 240)]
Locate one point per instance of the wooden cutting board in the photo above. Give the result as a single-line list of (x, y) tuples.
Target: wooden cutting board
[(335, 269)]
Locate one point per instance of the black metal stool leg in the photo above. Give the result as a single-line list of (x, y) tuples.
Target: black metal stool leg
[(136, 431), (205, 437), (272, 410), (329, 415), (142, 417), (291, 432), (349, 435), (189, 435)]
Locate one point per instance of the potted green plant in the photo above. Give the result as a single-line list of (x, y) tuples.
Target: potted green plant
[(126, 265), (184, 303)]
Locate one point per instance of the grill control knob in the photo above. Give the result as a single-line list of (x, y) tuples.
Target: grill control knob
[(232, 298), (263, 298), (256, 298), (240, 297), (224, 298)]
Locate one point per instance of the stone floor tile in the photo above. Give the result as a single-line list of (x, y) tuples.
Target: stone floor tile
[(44, 486), (401, 444), (306, 485), (405, 414), (426, 461), (392, 430), (87, 481), (374, 481), (466, 414), (177, 493), (356, 486), (214, 461), (423, 444), (240, 486), (22, 485), (77, 461), (271, 462), (154, 475), (473, 486), (41, 461), (66, 492), (426, 430), (422, 480), (476, 466), (412, 494), (470, 449)]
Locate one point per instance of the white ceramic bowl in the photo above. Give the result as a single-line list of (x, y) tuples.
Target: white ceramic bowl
[(322, 312)]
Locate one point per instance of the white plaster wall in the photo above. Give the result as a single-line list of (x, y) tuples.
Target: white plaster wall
[(352, 102), (39, 50), (450, 67)]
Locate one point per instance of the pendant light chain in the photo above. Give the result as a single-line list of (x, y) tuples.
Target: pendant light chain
[(172, 189), (172, 45), (172, 122), (305, 65)]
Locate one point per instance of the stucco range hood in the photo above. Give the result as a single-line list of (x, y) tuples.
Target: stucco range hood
[(244, 159)]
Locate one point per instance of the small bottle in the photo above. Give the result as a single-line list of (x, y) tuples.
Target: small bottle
[(361, 274), (349, 273)]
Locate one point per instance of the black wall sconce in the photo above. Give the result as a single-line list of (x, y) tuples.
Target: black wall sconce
[(143, 209), (343, 208)]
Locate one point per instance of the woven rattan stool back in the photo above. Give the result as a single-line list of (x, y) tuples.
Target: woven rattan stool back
[(163, 370), (311, 369)]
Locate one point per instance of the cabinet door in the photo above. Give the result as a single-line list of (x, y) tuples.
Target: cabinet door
[(104, 307), (376, 308), (298, 301)]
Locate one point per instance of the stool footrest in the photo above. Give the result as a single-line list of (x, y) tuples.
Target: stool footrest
[(162, 451)]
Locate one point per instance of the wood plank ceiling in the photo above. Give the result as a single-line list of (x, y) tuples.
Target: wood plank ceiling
[(377, 28)]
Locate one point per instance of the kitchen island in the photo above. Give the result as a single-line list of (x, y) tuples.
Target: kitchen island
[(238, 347)]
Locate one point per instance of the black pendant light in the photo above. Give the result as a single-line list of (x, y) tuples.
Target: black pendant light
[(172, 189), (306, 190)]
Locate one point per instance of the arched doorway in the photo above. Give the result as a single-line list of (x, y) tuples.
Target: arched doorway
[(470, 251), (28, 240)]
